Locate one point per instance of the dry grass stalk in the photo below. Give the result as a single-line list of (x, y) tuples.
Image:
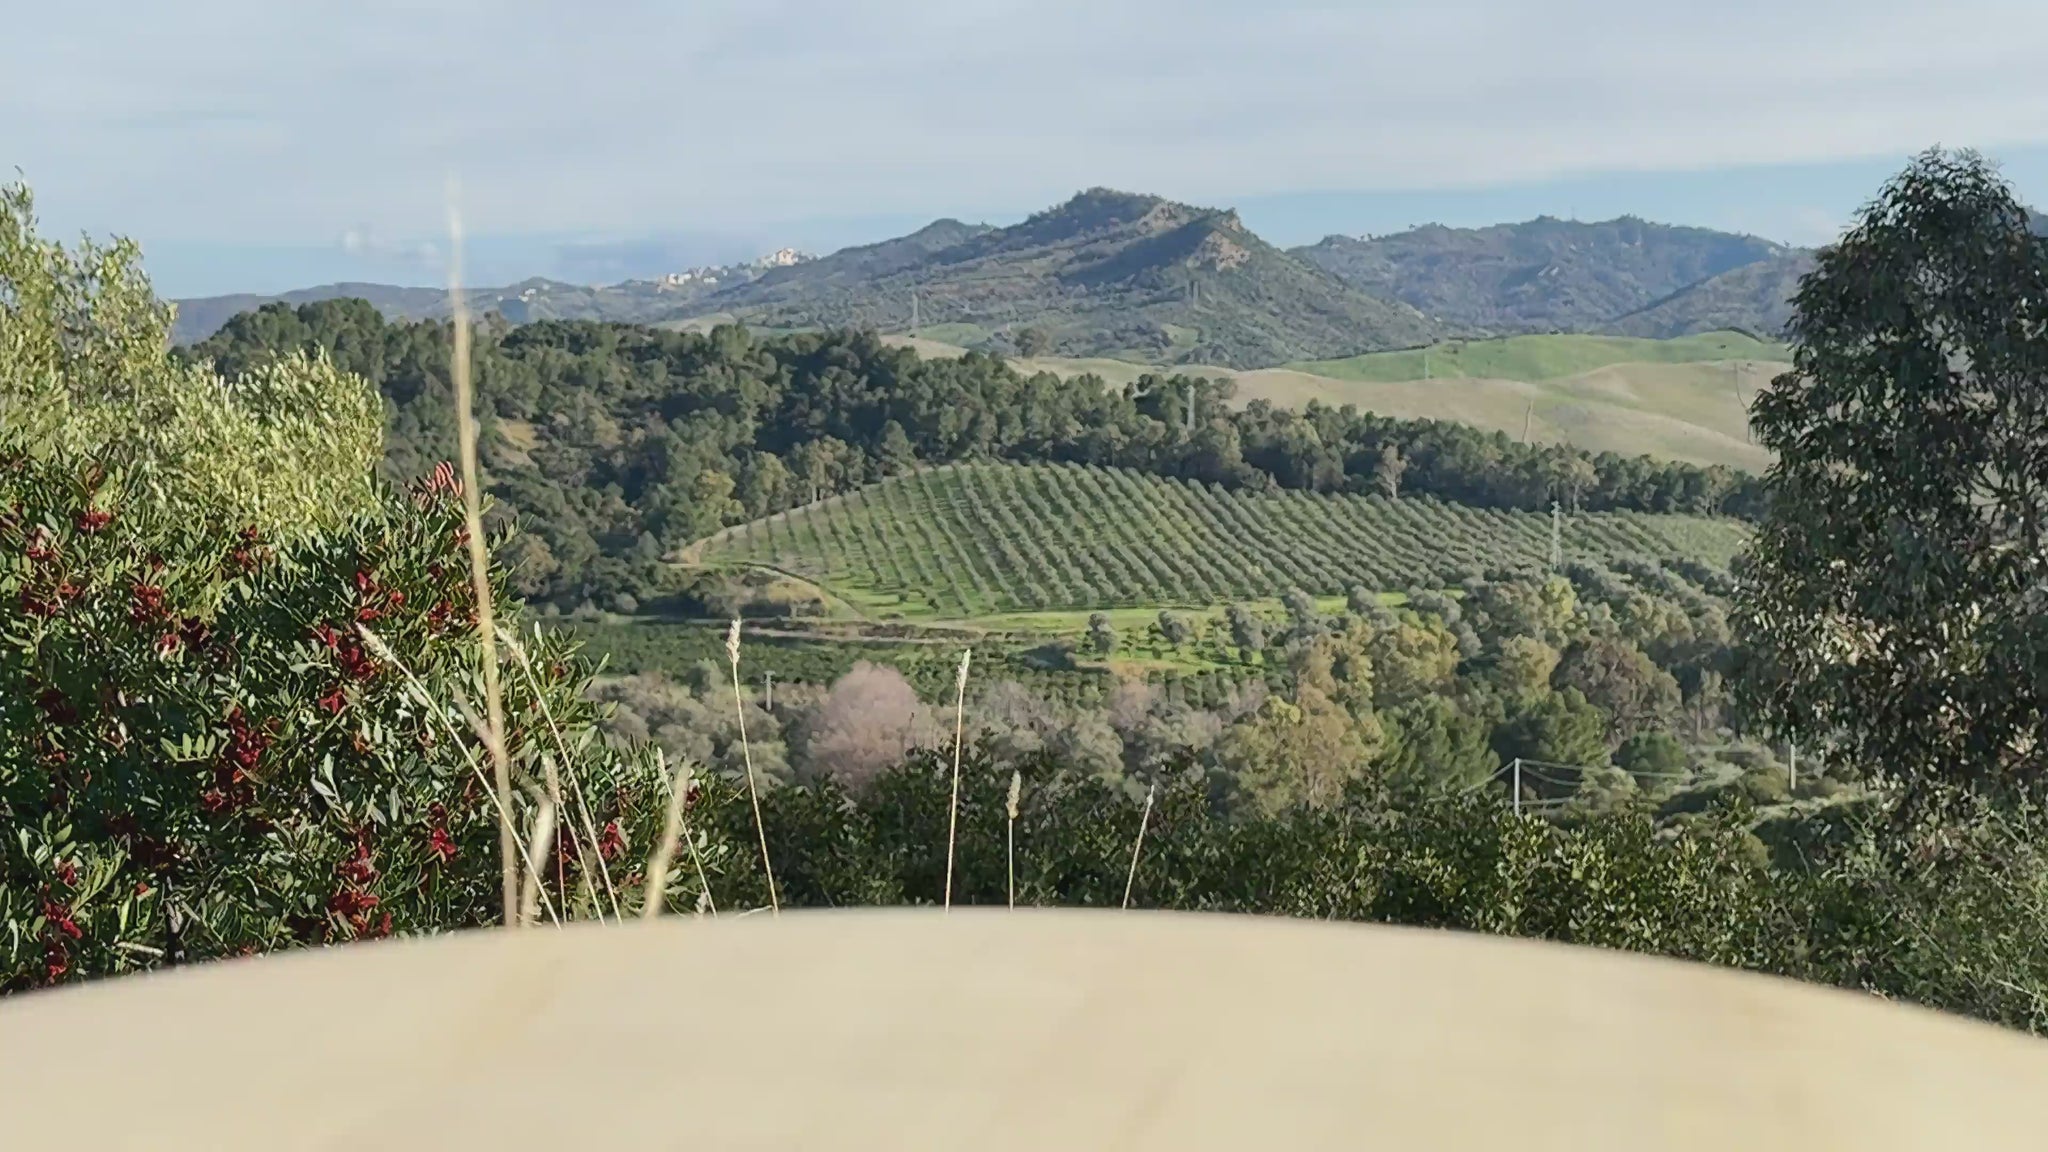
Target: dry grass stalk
[(1138, 847), (543, 831), (953, 810), (739, 707), (653, 904), (1016, 793), (479, 564), (427, 704), (588, 847)]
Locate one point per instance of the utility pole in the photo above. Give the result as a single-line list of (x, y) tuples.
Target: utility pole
[(1518, 785), (914, 313), (771, 692), (1188, 425), (1556, 536), (1735, 383), (1791, 766), (1529, 412)]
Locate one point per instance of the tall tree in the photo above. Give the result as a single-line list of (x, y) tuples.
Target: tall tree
[(1386, 473), (1894, 602)]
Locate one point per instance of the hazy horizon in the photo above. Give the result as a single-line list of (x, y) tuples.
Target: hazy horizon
[(256, 148)]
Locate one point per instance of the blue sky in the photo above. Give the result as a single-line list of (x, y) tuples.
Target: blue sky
[(256, 145)]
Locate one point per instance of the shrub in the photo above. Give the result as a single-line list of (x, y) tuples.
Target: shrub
[(232, 667)]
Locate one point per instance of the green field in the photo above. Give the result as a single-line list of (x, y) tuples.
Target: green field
[(1532, 358), (966, 542)]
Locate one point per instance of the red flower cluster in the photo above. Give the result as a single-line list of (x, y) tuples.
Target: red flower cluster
[(40, 549), (192, 633), (67, 873), (232, 774), (248, 553), (442, 481), (441, 845), (93, 520), (359, 868), (439, 842), (610, 842), (370, 592), (443, 614), (46, 607), (352, 903), (146, 604), (348, 651), (58, 927), (59, 916)]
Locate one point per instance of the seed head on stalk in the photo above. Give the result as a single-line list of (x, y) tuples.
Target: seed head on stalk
[(953, 812), (739, 707)]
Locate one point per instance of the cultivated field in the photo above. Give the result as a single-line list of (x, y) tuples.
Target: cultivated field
[(973, 541)]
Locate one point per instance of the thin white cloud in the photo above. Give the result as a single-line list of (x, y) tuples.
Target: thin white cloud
[(259, 120)]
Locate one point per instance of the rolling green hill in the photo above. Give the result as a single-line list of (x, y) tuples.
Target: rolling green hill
[(1533, 358), (1683, 399), (967, 541)]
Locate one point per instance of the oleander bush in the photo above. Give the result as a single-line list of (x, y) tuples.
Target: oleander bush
[(234, 668)]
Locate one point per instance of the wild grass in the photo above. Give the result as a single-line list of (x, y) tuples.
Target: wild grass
[(1138, 846), (480, 564), (732, 651), (655, 899), (1010, 833), (953, 808)]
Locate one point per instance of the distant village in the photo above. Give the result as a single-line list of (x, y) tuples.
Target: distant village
[(780, 258)]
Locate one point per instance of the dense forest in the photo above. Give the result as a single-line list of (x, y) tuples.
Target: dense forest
[(613, 445)]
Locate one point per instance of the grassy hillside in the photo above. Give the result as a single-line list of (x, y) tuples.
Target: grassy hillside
[(1541, 275), (977, 540), (1104, 274), (1690, 412), (1541, 357)]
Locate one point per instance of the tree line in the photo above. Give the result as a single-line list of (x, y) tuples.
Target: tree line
[(613, 444)]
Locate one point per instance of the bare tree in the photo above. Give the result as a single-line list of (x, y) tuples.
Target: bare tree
[(867, 723)]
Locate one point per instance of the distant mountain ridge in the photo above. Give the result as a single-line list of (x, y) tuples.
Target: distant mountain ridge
[(1544, 274), (537, 298), (1106, 273), (1138, 277)]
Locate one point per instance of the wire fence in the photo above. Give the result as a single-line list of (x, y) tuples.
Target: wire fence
[(1522, 770)]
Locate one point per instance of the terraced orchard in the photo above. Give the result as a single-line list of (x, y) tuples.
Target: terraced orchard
[(970, 540)]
